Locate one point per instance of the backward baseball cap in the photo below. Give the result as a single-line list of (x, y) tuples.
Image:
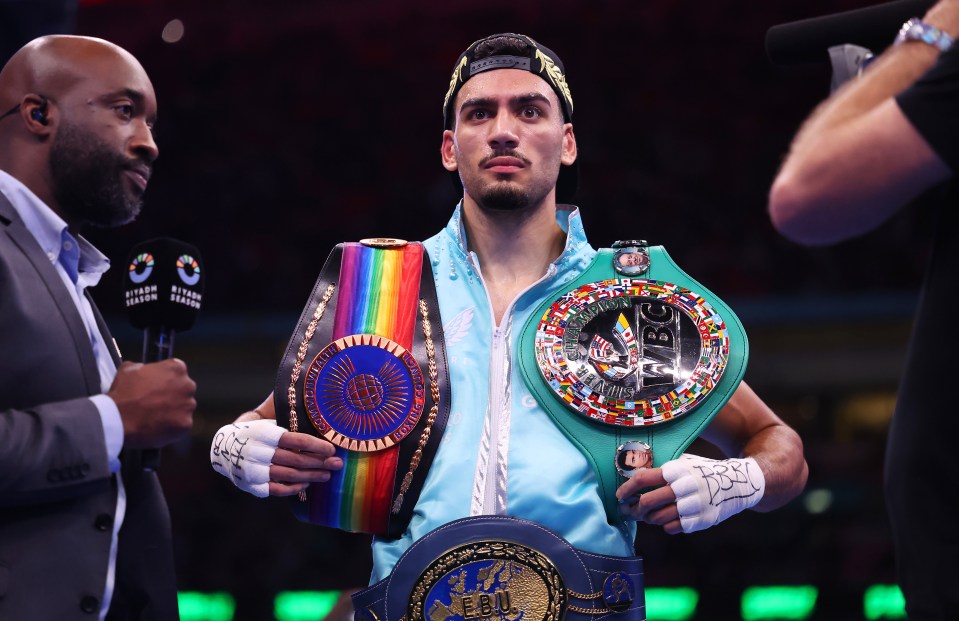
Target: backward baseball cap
[(524, 53)]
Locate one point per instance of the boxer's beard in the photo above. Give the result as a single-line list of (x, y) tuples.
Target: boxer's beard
[(505, 198), (504, 194)]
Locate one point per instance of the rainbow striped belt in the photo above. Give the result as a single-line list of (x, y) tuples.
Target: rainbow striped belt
[(365, 369)]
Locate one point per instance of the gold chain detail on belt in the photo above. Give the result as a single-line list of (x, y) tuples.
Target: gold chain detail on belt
[(596, 595), (301, 356), (587, 611), (434, 410)]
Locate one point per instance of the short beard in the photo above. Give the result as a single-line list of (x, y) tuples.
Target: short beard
[(87, 179), (504, 198)]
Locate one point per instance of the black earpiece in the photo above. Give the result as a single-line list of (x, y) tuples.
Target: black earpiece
[(40, 113)]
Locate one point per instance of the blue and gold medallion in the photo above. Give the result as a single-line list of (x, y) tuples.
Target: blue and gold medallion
[(364, 392), (619, 592)]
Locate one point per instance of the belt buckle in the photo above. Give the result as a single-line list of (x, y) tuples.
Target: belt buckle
[(489, 578)]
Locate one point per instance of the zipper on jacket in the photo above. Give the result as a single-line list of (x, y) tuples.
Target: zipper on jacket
[(493, 479)]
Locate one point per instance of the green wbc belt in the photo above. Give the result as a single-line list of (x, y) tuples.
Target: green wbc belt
[(632, 362)]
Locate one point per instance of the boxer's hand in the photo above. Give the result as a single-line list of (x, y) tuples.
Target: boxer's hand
[(653, 506), (708, 490), (700, 493), (301, 459), (266, 460)]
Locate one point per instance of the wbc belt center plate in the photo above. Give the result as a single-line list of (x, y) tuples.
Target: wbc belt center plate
[(631, 351), (364, 392)]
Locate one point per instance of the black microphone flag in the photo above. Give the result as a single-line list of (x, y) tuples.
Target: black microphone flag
[(808, 40), (163, 286)]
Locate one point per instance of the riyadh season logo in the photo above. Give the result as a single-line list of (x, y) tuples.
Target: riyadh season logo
[(188, 269), (141, 267)]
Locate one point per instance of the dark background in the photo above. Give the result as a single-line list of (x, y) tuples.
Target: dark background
[(287, 126)]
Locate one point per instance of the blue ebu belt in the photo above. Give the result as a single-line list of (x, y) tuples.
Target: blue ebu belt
[(632, 360), (500, 568)]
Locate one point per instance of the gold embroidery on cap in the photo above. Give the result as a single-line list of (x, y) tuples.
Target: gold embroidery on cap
[(453, 80), (556, 76)]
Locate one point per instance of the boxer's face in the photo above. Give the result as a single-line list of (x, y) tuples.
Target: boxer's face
[(636, 459), (508, 139)]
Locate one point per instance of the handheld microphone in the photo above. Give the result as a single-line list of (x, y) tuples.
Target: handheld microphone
[(163, 291), (808, 40)]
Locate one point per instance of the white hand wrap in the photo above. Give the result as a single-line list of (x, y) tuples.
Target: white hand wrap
[(243, 452), (708, 491)]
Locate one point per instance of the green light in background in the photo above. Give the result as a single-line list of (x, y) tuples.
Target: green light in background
[(884, 601), (671, 604), (818, 500), (304, 605), (195, 606), (778, 602)]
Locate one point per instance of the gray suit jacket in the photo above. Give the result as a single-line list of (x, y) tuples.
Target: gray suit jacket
[(57, 496)]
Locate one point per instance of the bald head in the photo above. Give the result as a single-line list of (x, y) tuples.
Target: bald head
[(54, 64), (79, 129)]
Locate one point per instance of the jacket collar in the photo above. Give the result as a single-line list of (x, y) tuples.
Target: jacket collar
[(50, 230), (567, 217)]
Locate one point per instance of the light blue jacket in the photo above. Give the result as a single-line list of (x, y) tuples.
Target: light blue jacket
[(501, 454)]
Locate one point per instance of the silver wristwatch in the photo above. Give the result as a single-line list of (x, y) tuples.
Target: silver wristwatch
[(917, 30)]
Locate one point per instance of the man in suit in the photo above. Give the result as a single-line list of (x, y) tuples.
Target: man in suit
[(84, 530)]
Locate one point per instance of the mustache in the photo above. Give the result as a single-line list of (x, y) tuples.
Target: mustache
[(139, 164), (136, 162), (504, 153)]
